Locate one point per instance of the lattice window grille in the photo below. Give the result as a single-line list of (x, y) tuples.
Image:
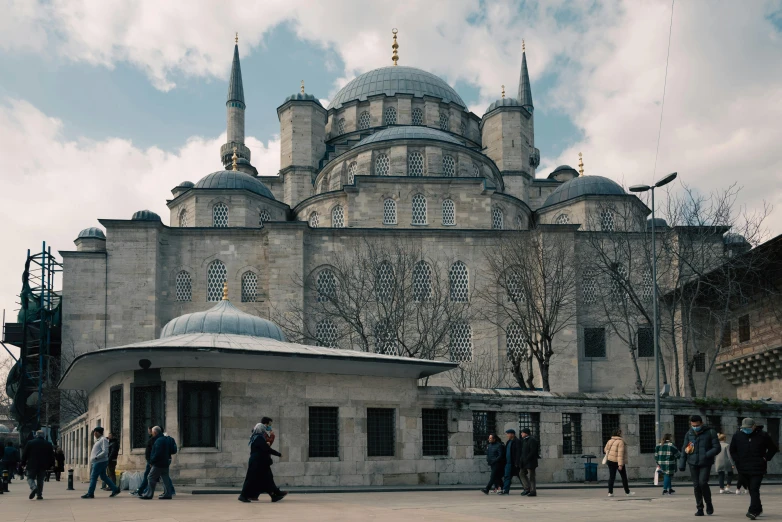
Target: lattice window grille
[(519, 223), (449, 212), (338, 217), (364, 120), (390, 116), (326, 285), (607, 223), (484, 423), (618, 281), (419, 210), (449, 166), (184, 286), (249, 287), (460, 341), (220, 215), (326, 333), (382, 165), (610, 423), (341, 126), (476, 171), (385, 339), (415, 164), (462, 129), (422, 281), (215, 279), (513, 287), (459, 279), (389, 212), (563, 219), (434, 427), (515, 343), (314, 220), (418, 116), (571, 433), (381, 431), (352, 169), (444, 121), (647, 286), (589, 287), (323, 432), (385, 281), (646, 429), (264, 216), (183, 218), (497, 219)]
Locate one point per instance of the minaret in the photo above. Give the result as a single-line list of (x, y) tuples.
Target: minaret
[(525, 90), (235, 117)]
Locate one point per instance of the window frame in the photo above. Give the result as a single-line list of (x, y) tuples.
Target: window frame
[(145, 435), (572, 439), (245, 295), (324, 449), (420, 200), (182, 416), (116, 427), (227, 215), (484, 423), (434, 426), (647, 437), (648, 336), (450, 203), (745, 331), (594, 330), (381, 444), (609, 422)]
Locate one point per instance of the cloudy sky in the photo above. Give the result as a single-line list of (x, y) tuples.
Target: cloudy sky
[(106, 105)]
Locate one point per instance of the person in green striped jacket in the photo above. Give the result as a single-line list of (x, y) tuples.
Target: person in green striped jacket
[(666, 455)]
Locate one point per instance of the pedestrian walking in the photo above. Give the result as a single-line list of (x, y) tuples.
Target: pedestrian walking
[(723, 464), (111, 471), (167, 483), (666, 455), (700, 447), (495, 457), (99, 462), (159, 460), (616, 459), (528, 462), (37, 457), (59, 463), (10, 459), (512, 461), (751, 449), (268, 434), (259, 478), (147, 454)]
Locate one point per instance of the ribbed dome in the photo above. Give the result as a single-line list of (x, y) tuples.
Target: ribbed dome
[(396, 80), (145, 215), (561, 169), (234, 179), (92, 233), (410, 132), (186, 184), (503, 102), (584, 186), (223, 318)]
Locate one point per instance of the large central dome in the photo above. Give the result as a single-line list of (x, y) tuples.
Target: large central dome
[(396, 80)]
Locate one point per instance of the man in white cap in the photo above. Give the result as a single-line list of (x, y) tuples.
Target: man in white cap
[(751, 449)]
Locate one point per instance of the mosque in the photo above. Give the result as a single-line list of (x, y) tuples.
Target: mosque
[(176, 325)]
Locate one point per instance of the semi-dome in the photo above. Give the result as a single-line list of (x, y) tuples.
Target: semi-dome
[(503, 102), (223, 318), (584, 186), (656, 223), (396, 80), (91, 233), (410, 132), (145, 215), (234, 179), (186, 185)]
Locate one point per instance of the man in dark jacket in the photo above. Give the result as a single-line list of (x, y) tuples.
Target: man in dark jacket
[(159, 461), (38, 457), (700, 447), (113, 456), (147, 453), (751, 449), (10, 459), (528, 461), (512, 460), (495, 457)]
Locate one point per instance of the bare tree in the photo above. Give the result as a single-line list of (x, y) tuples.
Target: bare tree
[(6, 362), (70, 403)]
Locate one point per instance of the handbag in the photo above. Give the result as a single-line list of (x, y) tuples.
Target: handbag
[(605, 459)]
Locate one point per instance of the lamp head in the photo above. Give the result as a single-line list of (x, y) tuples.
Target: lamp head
[(639, 188), (667, 179)]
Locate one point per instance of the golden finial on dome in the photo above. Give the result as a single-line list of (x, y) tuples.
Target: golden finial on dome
[(580, 165), (503, 91), (523, 46), (233, 160), (394, 46), (236, 39), (225, 290), (302, 86)]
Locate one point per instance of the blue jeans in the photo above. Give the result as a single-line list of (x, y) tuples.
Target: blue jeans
[(99, 470), (510, 472), (667, 482)]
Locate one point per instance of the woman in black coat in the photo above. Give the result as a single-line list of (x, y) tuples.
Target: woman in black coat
[(495, 458), (259, 478)]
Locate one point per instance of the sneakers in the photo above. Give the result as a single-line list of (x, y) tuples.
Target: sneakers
[(524, 493), (610, 494), (722, 491), (630, 493), (32, 494), (115, 492), (699, 513), (727, 490), (86, 495), (665, 492), (671, 491), (485, 491), (751, 516), (533, 494)]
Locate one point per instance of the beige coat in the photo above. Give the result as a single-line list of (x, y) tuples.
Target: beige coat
[(615, 450)]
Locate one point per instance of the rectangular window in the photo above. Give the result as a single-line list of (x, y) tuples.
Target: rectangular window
[(199, 407), (147, 411), (727, 339), (714, 421), (646, 433), (115, 411), (610, 425), (645, 342), (571, 433), (324, 431), (744, 328), (434, 425), (681, 424), (594, 342), (773, 429), (483, 424), (381, 432), (700, 362), (532, 421)]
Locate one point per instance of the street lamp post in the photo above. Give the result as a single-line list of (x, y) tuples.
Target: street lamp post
[(655, 328)]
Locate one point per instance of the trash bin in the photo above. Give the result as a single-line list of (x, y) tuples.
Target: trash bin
[(590, 468)]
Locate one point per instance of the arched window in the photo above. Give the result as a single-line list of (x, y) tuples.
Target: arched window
[(513, 287), (459, 280), (449, 166), (618, 282), (422, 281), (607, 221), (220, 215), (325, 285), (314, 220), (338, 217), (326, 333), (385, 281), (390, 116), (589, 286), (389, 212), (460, 342), (462, 129), (519, 222), (184, 287), (363, 120), (415, 164), (249, 287), (385, 338), (419, 210), (449, 212), (476, 170), (444, 120), (647, 286), (514, 342), (382, 165), (497, 218), (183, 218), (418, 116), (341, 126), (215, 279), (352, 168), (264, 216), (563, 219)]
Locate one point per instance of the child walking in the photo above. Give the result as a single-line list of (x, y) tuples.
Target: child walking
[(666, 455)]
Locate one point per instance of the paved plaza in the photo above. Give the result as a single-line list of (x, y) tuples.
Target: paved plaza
[(551, 505)]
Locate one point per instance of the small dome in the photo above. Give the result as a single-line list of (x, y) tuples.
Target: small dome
[(145, 215), (186, 185), (584, 186), (502, 102), (4, 429), (409, 132), (396, 80), (301, 96), (234, 179), (92, 233), (223, 318), (561, 170), (656, 223), (732, 238)]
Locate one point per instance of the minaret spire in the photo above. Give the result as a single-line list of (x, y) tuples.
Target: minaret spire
[(235, 88), (525, 90), (234, 148)]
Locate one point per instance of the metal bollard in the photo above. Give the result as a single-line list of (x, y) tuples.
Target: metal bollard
[(4, 482), (70, 480)]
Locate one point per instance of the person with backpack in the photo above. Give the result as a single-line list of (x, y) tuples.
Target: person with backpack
[(701, 445), (159, 461), (666, 455)]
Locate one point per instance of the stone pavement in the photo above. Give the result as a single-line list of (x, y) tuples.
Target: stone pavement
[(552, 505)]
